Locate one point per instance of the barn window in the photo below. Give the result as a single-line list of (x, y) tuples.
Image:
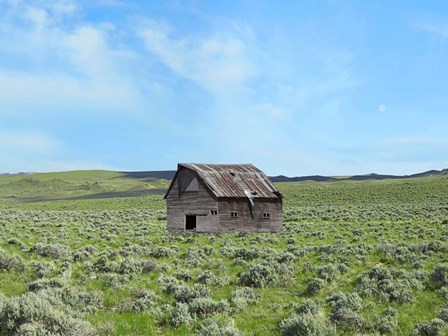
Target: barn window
[(193, 186), (233, 214), (214, 212), (266, 215)]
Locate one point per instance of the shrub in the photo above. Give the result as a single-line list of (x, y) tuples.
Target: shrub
[(443, 293), (203, 307), (2, 302), (259, 275), (183, 275), (209, 278), (285, 257), (44, 283), (307, 307), (55, 251), (308, 267), (180, 315), (247, 293), (217, 327), (315, 286), (18, 243), (147, 265), (328, 273), (443, 314), (144, 299), (345, 310), (306, 325), (42, 269), (184, 293), (41, 313), (242, 296), (162, 252), (388, 285), (91, 301), (168, 282), (440, 275), (246, 254), (115, 280), (84, 253), (130, 267), (435, 327), (194, 258), (9, 263), (387, 323)]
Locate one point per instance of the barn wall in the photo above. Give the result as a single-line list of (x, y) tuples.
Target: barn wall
[(244, 222), (275, 222), (199, 203)]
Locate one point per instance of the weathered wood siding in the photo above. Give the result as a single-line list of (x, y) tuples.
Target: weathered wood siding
[(244, 221), (199, 203)]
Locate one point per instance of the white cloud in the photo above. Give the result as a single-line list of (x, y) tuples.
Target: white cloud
[(30, 94), (64, 67), (31, 142), (38, 16), (88, 51), (33, 151), (62, 8), (413, 141), (67, 165), (272, 110), (436, 28), (112, 3), (218, 63)]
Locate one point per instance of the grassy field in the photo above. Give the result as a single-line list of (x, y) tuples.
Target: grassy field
[(354, 258)]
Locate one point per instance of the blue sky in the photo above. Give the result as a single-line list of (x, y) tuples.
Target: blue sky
[(295, 87)]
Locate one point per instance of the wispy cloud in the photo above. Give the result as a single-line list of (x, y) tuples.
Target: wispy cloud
[(68, 66), (218, 62), (32, 142), (436, 28), (412, 141), (36, 151)]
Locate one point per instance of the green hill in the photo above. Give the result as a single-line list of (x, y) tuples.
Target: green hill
[(96, 184), (75, 185)]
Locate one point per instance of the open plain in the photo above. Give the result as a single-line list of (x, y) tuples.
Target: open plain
[(88, 253)]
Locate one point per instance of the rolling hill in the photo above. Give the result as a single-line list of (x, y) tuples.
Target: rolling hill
[(91, 184), (78, 185)]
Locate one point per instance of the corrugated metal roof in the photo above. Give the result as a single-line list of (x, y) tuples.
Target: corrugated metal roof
[(235, 180)]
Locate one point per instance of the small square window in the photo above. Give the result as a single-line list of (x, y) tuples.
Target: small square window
[(266, 215), (214, 212), (233, 214)]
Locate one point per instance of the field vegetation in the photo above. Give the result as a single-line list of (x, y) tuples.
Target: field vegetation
[(365, 258)]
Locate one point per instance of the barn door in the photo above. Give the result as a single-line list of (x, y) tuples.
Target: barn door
[(190, 222)]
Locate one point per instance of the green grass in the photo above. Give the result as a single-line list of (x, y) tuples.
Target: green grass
[(345, 224), (75, 185)]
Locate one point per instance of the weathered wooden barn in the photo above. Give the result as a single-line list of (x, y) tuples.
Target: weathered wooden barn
[(223, 198)]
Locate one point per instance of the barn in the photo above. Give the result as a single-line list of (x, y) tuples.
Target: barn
[(223, 198)]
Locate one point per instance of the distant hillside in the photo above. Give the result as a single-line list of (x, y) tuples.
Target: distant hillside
[(160, 174), (29, 183), (169, 174), (92, 184), (317, 178), (88, 184), (366, 177)]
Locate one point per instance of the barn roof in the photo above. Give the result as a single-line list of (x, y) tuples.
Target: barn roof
[(234, 180)]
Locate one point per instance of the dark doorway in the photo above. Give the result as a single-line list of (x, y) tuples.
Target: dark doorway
[(190, 222)]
